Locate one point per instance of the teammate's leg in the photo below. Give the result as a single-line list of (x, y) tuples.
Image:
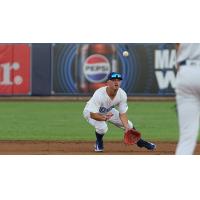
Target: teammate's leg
[(117, 122), (188, 105), (188, 116)]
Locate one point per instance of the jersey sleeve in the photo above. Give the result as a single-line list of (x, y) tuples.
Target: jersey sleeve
[(123, 106), (94, 103)]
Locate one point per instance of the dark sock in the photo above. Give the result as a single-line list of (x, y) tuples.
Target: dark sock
[(140, 142), (99, 137)]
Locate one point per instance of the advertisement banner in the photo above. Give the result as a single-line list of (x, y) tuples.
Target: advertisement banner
[(79, 69), (14, 69)]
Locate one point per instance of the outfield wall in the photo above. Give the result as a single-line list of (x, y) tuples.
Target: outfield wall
[(79, 69)]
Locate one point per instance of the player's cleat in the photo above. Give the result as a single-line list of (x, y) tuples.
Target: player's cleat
[(148, 145), (98, 146)]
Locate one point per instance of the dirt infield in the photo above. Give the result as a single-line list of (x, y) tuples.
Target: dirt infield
[(81, 148)]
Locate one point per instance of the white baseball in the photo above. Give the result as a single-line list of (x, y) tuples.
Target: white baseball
[(125, 53)]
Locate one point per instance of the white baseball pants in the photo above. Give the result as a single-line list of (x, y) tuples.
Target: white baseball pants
[(101, 126), (188, 105)]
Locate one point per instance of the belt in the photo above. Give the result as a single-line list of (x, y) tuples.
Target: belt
[(192, 63)]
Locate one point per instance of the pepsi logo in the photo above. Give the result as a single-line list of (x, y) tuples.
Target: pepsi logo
[(96, 68)]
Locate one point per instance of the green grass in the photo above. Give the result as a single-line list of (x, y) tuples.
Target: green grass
[(64, 121)]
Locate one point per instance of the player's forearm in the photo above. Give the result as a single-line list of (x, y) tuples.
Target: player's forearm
[(98, 117), (124, 120)]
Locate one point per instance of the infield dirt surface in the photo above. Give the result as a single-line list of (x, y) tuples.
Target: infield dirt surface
[(82, 148)]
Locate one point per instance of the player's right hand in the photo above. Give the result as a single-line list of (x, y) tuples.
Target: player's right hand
[(108, 116)]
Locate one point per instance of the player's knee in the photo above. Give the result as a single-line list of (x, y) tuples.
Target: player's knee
[(130, 124), (102, 130)]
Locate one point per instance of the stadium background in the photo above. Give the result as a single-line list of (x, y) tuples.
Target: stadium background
[(79, 69)]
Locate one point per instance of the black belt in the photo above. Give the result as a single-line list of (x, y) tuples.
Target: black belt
[(182, 63)]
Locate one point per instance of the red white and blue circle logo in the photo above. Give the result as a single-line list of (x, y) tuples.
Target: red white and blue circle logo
[(96, 68)]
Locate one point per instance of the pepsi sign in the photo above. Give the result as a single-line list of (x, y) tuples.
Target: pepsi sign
[(96, 68)]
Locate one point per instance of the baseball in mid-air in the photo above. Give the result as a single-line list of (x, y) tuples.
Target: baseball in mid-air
[(125, 53)]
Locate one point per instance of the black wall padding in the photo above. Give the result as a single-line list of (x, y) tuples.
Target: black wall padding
[(41, 69)]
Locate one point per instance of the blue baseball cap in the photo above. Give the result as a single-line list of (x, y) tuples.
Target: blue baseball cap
[(114, 75)]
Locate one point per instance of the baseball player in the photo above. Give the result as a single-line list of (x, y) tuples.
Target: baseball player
[(101, 109), (188, 96)]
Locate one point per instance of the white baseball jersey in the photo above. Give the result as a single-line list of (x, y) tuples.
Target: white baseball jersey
[(188, 51), (102, 103)]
